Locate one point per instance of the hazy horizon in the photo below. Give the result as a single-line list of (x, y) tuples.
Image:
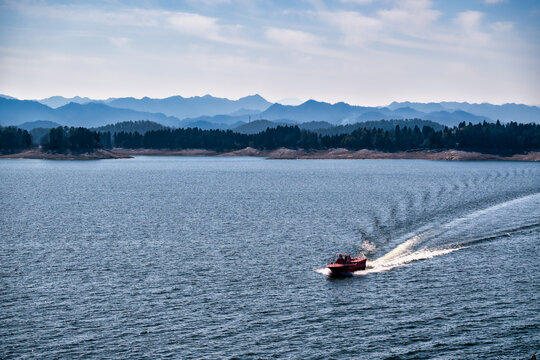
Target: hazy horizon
[(287, 101)]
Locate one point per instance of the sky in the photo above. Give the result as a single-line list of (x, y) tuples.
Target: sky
[(364, 52)]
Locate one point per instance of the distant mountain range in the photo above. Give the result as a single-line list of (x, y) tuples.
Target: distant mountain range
[(43, 124), (17, 112), (6, 96), (208, 112), (57, 101), (176, 106), (507, 112), (191, 107), (338, 114), (342, 114)]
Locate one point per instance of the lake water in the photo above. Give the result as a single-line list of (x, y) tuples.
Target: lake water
[(206, 257)]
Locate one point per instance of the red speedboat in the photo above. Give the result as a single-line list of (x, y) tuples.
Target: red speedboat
[(344, 265)]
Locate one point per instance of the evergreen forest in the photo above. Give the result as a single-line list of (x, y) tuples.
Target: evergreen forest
[(13, 139), (495, 138), (485, 137)]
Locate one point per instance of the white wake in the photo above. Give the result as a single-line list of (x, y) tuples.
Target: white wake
[(415, 247)]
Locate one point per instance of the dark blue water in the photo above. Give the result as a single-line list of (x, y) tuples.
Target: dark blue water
[(224, 258)]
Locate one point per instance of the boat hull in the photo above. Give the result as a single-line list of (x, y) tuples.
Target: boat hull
[(347, 269)]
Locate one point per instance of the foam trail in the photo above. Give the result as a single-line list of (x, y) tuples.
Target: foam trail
[(408, 251), (324, 271), (417, 247), (379, 265), (401, 249)]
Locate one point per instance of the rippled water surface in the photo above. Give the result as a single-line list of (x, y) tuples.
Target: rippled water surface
[(181, 257)]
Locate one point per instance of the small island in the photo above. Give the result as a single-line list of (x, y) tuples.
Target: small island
[(482, 141)]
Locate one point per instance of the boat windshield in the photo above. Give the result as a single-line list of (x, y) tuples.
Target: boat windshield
[(344, 258)]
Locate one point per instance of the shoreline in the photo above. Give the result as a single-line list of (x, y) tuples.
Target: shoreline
[(278, 154), (37, 154)]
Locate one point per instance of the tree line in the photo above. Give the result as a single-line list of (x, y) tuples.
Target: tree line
[(140, 126), (378, 124), (76, 139), (13, 139), (486, 137)]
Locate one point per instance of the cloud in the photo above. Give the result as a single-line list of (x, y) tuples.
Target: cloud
[(469, 20), (501, 26), (410, 13), (299, 41), (14, 57), (413, 25), (120, 42), (410, 18), (292, 38), (359, 2), (491, 2), (356, 28), (194, 24), (185, 23), (210, 2)]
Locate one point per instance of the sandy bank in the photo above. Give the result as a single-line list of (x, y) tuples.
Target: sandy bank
[(341, 153), (164, 152), (424, 154), (281, 153), (38, 154)]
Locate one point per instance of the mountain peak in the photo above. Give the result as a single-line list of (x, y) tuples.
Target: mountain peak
[(312, 102), (254, 102), (253, 97)]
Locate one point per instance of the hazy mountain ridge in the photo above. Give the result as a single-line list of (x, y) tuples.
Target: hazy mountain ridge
[(242, 111), (182, 108), (177, 106), (312, 110), (100, 114), (342, 114), (43, 124), (16, 112), (58, 101), (224, 120), (505, 112), (7, 97)]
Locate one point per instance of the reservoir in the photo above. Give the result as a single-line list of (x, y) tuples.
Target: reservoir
[(224, 257)]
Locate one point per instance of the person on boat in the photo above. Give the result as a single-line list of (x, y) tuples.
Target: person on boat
[(347, 259), (340, 259)]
